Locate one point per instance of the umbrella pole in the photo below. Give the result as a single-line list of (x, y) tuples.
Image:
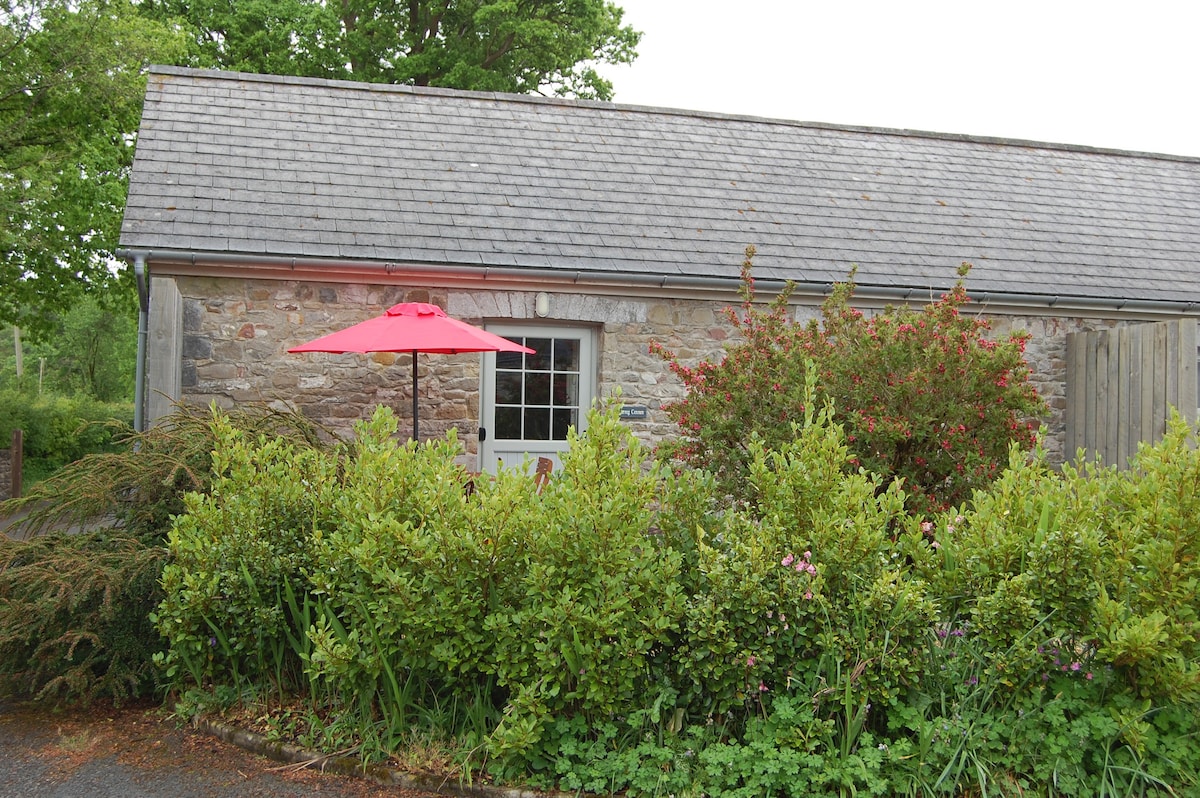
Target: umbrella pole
[(414, 367)]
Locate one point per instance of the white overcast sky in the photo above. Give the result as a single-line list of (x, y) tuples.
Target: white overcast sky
[(1124, 75)]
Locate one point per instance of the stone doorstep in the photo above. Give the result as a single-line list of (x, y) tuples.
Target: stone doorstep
[(349, 766)]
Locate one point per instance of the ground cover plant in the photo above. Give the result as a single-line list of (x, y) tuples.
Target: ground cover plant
[(630, 629)]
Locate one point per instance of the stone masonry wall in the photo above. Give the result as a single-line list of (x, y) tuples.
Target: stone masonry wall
[(6, 464), (236, 334)]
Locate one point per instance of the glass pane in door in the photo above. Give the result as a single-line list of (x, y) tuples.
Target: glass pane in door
[(537, 396)]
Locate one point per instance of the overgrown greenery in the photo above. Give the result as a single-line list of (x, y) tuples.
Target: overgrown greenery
[(925, 395), (139, 485), (630, 630), (59, 430), (75, 616), (71, 393), (75, 608), (72, 76)]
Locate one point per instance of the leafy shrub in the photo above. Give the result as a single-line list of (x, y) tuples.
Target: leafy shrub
[(1148, 613), (237, 553), (796, 590), (410, 567), (923, 395), (58, 429), (633, 629), (74, 616), (598, 599), (1098, 562)]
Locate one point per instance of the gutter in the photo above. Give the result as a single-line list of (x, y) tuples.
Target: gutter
[(139, 390), (206, 264)]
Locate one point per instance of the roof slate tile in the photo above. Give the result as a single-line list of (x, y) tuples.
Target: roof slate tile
[(307, 168)]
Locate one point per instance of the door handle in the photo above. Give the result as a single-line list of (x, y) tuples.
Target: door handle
[(482, 434)]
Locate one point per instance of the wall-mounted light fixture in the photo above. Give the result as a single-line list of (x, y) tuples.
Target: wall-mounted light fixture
[(541, 304)]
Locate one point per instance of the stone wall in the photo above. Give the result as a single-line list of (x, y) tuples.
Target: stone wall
[(6, 480), (236, 334), (235, 339)]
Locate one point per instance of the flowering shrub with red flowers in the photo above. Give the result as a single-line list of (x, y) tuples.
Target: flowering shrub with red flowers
[(923, 395)]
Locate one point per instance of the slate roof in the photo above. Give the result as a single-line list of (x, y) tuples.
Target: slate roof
[(243, 164)]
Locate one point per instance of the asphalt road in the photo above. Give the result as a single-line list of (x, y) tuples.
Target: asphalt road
[(136, 752)]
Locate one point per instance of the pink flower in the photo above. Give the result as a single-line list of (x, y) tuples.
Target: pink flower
[(936, 545), (788, 560), (750, 662), (1088, 675), (807, 597), (808, 555), (927, 527), (762, 687)]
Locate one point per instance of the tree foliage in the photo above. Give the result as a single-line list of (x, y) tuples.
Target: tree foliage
[(90, 351), (522, 46), (72, 76)]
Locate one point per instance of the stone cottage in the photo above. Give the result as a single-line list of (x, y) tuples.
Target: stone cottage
[(266, 211)]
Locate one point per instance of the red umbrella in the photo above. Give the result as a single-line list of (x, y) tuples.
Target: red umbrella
[(412, 327)]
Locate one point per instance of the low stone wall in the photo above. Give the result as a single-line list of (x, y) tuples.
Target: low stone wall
[(235, 335), (5, 474), (10, 467)]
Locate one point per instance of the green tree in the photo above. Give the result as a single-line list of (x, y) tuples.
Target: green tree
[(89, 351), (522, 46), (72, 77)]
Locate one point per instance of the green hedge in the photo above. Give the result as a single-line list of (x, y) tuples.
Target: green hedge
[(631, 629), (59, 429)]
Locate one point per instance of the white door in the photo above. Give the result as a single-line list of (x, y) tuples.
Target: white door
[(528, 402)]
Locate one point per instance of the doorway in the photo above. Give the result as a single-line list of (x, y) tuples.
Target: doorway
[(529, 402)]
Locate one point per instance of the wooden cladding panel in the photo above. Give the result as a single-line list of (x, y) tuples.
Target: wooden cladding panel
[(1122, 384)]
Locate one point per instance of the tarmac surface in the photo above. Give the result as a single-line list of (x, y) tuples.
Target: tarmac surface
[(136, 751)]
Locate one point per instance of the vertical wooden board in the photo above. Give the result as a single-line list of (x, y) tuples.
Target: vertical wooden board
[(1100, 431), (1150, 376), (1123, 390), (1076, 396), (1172, 366), (1161, 377), (1187, 369), (1090, 390), (164, 348), (1112, 407), (1133, 433)]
